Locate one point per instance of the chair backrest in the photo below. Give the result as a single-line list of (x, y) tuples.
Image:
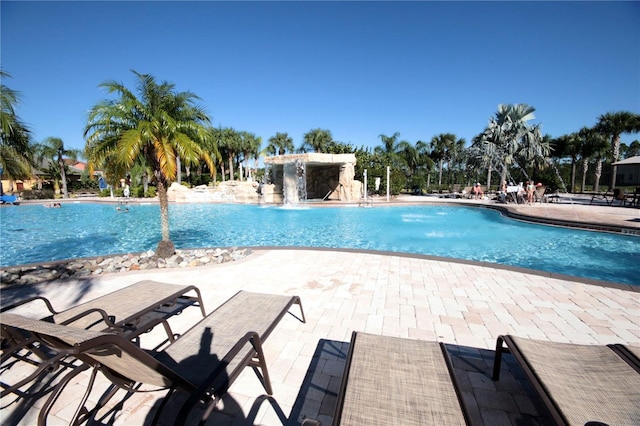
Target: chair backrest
[(121, 360), (618, 194), (540, 191)]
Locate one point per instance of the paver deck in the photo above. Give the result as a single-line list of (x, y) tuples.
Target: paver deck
[(466, 306)]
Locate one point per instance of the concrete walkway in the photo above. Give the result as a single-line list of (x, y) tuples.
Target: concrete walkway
[(466, 306), (463, 305)]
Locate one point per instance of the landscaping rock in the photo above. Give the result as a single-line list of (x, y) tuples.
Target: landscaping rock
[(82, 268)]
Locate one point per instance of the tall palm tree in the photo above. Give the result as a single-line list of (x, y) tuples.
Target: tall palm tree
[(250, 148), (592, 145), (389, 150), (279, 144), (53, 150), (441, 148), (508, 130), (231, 143), (159, 124), (15, 136), (614, 124), (316, 140), (568, 146)]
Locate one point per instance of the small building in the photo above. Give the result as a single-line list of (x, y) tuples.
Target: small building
[(292, 178)]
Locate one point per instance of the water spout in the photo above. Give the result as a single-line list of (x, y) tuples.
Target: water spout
[(294, 183)]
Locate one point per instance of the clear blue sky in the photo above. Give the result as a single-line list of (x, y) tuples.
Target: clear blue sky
[(358, 69)]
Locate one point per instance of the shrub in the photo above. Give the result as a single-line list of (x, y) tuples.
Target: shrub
[(37, 194)]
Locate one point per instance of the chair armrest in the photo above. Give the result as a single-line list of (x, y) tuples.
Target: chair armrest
[(108, 319), (28, 300)]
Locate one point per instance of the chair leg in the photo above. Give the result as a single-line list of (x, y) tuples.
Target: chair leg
[(57, 391), (497, 361), (262, 363)]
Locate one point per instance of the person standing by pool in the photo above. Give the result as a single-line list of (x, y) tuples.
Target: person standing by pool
[(531, 189), (477, 190), (502, 195)]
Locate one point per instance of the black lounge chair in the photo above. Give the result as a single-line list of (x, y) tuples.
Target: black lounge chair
[(579, 384), (203, 362), (131, 311), (391, 380)]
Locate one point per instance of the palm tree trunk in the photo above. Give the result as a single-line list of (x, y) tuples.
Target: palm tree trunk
[(231, 166), (440, 175), (164, 210), (585, 169), (573, 175), (489, 177), (63, 176), (598, 174), (503, 175), (615, 144), (179, 169), (145, 183), (165, 247)]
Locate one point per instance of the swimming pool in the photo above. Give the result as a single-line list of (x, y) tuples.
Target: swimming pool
[(31, 233)]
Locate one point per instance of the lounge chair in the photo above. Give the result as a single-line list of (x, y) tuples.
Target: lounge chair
[(602, 196), (391, 380), (8, 199), (131, 310), (538, 195), (203, 362), (618, 195), (579, 384)]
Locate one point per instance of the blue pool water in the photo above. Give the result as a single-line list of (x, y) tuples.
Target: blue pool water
[(32, 233)]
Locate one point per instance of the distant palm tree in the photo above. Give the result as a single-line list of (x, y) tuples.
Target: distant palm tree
[(158, 125), (250, 146), (53, 150), (593, 145), (231, 143), (15, 136), (614, 124), (316, 140), (568, 146), (280, 144), (441, 148)]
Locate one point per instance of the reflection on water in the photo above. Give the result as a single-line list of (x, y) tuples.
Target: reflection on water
[(31, 233)]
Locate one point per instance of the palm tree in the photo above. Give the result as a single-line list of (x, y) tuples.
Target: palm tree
[(53, 150), (441, 148), (158, 125), (389, 150), (280, 144), (15, 136), (250, 148), (316, 140), (231, 143), (614, 124), (634, 149), (568, 146), (508, 130)]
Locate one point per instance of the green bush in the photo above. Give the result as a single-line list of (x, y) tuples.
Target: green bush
[(37, 194)]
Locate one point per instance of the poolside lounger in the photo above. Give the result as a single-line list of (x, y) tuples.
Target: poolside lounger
[(203, 362), (579, 384), (132, 310), (602, 196), (391, 380)]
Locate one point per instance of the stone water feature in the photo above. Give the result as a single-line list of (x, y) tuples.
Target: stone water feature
[(312, 176), (289, 179)]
